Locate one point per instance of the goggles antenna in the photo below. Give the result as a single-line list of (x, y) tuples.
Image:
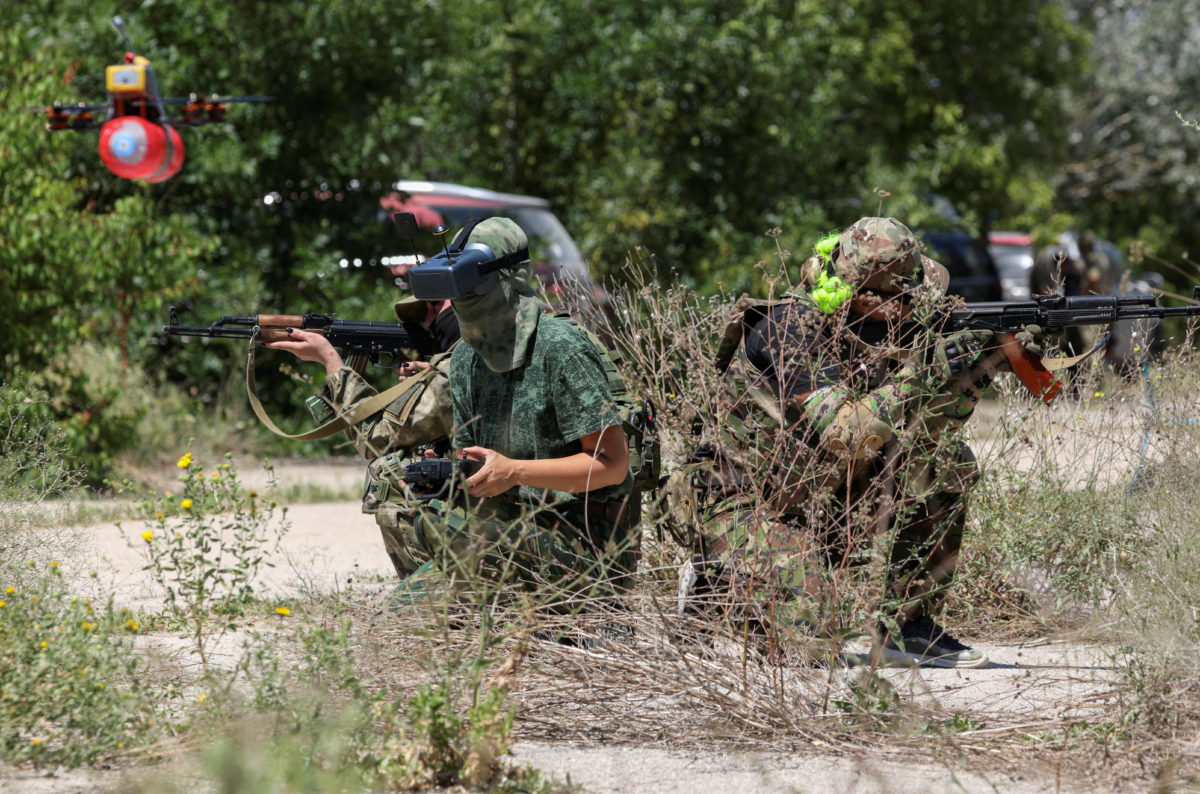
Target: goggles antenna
[(441, 230)]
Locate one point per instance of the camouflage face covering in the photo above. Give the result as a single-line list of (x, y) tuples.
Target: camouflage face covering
[(883, 254), (500, 324)]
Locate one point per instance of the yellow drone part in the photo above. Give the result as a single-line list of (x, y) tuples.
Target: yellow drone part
[(125, 79)]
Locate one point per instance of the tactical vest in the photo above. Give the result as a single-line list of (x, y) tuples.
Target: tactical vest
[(766, 412), (384, 480)]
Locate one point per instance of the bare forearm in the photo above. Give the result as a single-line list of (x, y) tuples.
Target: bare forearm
[(574, 474), (604, 461)]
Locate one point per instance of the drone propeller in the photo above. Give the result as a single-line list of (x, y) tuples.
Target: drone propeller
[(58, 107), (215, 100), (72, 117)]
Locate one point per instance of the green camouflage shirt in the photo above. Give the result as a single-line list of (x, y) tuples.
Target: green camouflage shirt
[(539, 410)]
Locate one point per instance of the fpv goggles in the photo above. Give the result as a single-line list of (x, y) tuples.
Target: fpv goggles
[(460, 269)]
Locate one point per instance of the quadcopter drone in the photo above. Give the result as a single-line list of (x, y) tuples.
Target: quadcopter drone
[(138, 140)]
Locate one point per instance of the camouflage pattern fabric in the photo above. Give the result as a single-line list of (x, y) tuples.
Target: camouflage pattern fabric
[(411, 420), (420, 416), (499, 325), (585, 550), (787, 493), (541, 410), (883, 254)]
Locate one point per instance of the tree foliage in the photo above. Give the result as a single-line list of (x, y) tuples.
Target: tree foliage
[(684, 129)]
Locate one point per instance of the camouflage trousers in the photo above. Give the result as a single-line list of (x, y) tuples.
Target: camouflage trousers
[(563, 554), (793, 563), (396, 521)]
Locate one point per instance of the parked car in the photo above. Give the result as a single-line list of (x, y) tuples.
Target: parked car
[(556, 259), (1013, 254), (973, 274)]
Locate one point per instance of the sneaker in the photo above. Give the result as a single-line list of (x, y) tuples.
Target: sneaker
[(924, 642), (704, 590)]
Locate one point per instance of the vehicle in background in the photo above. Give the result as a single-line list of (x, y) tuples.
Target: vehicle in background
[(973, 274), (556, 259), (1013, 254)]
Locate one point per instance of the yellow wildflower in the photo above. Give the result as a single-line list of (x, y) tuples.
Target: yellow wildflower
[(283, 610), (186, 504), (216, 475), (185, 461), (148, 535), (1098, 394), (54, 563), (132, 624), (35, 741), (88, 626), (203, 697), (158, 515), (43, 643), (2, 603)]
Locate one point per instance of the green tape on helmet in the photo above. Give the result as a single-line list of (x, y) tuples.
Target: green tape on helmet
[(824, 247), (830, 292)]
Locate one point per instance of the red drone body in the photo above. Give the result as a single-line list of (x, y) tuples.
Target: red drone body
[(138, 140), (133, 148)]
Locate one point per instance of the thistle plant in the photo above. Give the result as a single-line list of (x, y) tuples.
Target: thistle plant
[(206, 546), (70, 690)]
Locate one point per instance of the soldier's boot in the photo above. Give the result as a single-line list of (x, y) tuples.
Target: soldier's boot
[(423, 586)]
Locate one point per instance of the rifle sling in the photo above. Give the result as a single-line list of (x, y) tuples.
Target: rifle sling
[(358, 413), (1055, 364)]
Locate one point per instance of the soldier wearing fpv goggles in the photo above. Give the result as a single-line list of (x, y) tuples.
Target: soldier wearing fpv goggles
[(552, 507)]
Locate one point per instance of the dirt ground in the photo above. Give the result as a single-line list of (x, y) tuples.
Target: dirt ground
[(1028, 686)]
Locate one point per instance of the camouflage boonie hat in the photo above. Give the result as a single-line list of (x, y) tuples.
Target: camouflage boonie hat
[(883, 254)]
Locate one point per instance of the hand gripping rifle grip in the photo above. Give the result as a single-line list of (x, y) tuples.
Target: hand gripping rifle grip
[(1029, 368)]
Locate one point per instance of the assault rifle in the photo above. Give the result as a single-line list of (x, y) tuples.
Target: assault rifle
[(359, 340), (371, 340), (433, 477), (1055, 313)]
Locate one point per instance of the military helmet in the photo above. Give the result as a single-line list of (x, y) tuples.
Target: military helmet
[(883, 255)]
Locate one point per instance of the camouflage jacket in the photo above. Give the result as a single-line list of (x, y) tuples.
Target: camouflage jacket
[(420, 415), (540, 409)]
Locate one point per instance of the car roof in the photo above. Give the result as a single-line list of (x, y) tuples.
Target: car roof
[(448, 194)]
